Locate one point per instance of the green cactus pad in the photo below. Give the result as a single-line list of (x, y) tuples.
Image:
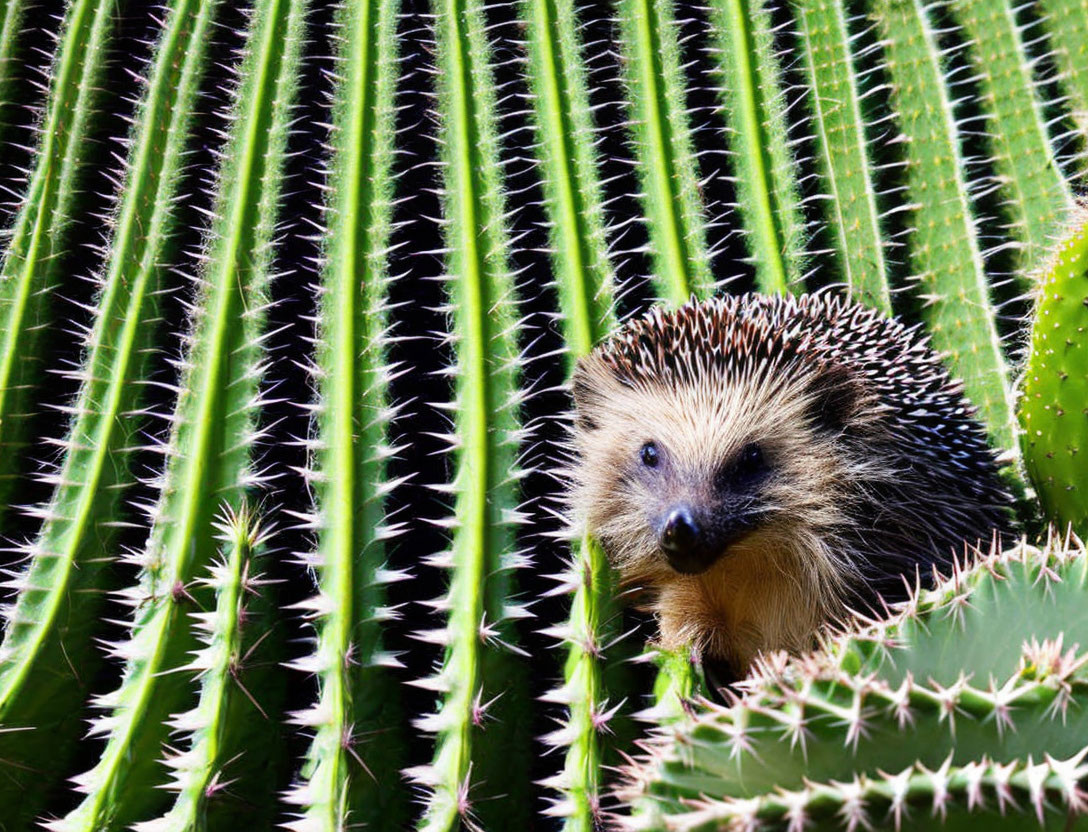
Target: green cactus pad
[(981, 679), (1054, 390)]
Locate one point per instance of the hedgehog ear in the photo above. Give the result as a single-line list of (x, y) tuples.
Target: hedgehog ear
[(835, 396)]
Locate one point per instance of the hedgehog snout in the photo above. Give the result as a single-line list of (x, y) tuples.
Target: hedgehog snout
[(691, 544)]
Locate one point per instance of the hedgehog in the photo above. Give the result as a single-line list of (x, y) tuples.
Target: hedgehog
[(755, 467)]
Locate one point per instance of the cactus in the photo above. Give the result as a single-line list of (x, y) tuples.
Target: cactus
[(480, 725), (214, 429), (971, 690), (849, 173), (755, 108), (949, 273), (35, 250), (1054, 388), (49, 627), (664, 151), (223, 742), (353, 767)]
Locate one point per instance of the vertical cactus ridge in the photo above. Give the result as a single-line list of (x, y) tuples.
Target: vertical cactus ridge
[(845, 159), (12, 14), (585, 279), (573, 193), (57, 595), (1066, 25), (1035, 196), (949, 277), (985, 668), (664, 150), (34, 252), (229, 635), (352, 772), (768, 193), (214, 427), (481, 725), (1054, 388)]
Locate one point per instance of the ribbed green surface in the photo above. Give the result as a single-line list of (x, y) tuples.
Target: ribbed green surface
[(35, 250), (768, 194), (49, 628), (1054, 389), (352, 772), (481, 724), (846, 164), (664, 151), (949, 277), (214, 427)]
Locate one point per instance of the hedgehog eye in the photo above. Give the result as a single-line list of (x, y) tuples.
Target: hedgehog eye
[(648, 455), (746, 466), (750, 460)]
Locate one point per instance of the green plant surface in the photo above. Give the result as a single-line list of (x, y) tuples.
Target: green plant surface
[(35, 249), (755, 104), (949, 277), (12, 16), (214, 427), (1054, 388), (481, 724), (49, 627), (352, 773), (985, 668), (1066, 25), (585, 280), (846, 164), (664, 150), (220, 728), (1035, 196)]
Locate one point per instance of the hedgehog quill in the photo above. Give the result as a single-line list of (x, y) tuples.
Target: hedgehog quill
[(754, 466)]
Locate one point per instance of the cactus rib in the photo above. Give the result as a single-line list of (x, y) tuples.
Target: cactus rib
[(57, 592), (846, 164), (1036, 196), (213, 725), (481, 728), (949, 275), (664, 151), (213, 430), (33, 255), (1066, 24), (357, 699), (755, 106)]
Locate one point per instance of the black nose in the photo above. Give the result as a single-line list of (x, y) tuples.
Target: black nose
[(681, 539)]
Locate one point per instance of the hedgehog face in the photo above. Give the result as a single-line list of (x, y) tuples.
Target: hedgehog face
[(672, 479)]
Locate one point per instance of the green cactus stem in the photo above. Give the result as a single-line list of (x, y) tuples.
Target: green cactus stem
[(352, 772), (664, 153), (755, 104), (481, 725), (49, 627), (985, 669), (846, 163), (33, 256), (229, 731), (949, 275), (1054, 389), (214, 429)]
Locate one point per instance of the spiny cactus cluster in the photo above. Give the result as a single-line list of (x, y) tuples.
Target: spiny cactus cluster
[(966, 698), (348, 256)]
